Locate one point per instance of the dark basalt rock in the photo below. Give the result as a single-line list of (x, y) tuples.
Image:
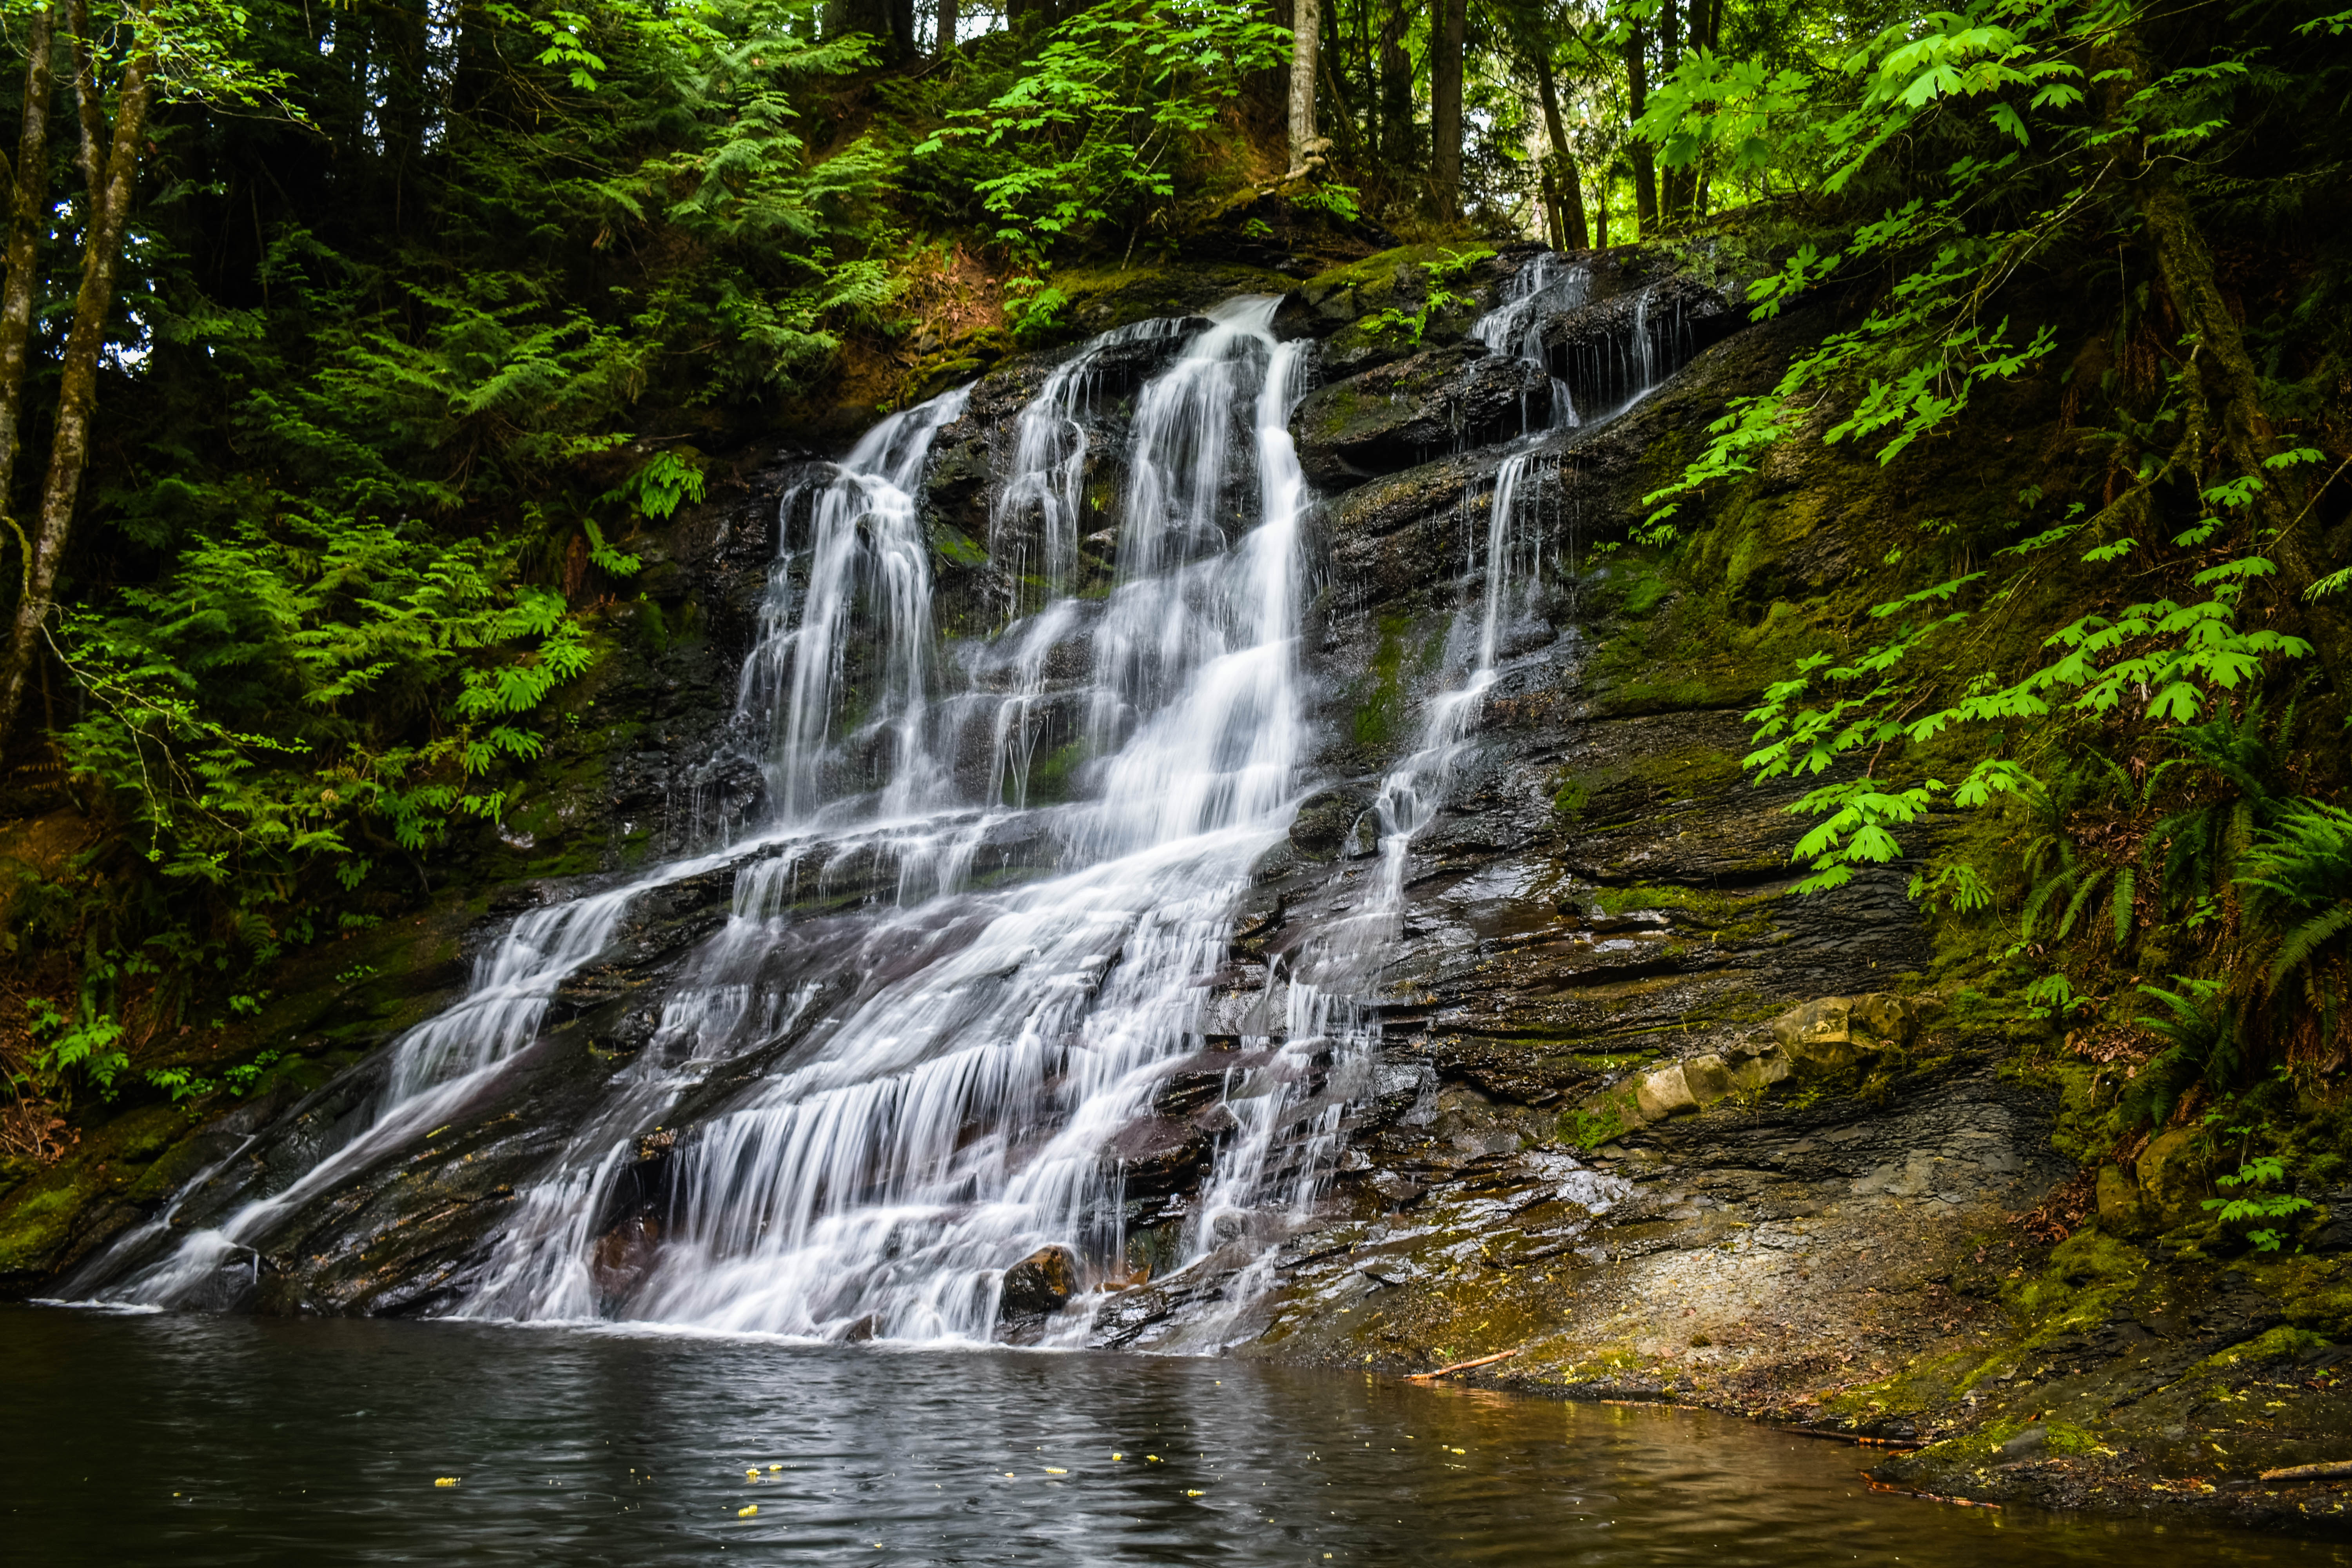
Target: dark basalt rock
[(1399, 415), (1040, 1283), (1608, 349), (1157, 1155)]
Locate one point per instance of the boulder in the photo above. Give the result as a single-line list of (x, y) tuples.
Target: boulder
[(1155, 1155), (2171, 1174), (1040, 1283), (1760, 1071), (1708, 1077), (1817, 1034), (2120, 1210), (1664, 1093), (1883, 1015), (1831, 1032)]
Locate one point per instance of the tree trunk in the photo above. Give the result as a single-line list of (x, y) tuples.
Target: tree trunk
[(947, 25), (2224, 372), (1332, 61), (1398, 152), (1709, 34), (1305, 32), (1637, 92), (1445, 107), (109, 215), (1674, 184), (1571, 186), (1601, 213), (2224, 378), (29, 220)]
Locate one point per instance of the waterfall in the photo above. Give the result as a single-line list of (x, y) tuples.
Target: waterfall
[(1050, 449), (884, 1079), (439, 1066), (950, 1116), (434, 1069), (865, 548)]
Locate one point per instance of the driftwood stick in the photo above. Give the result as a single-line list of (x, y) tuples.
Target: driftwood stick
[(1465, 1365), (2327, 1471)]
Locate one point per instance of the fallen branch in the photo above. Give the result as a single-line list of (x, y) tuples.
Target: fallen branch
[(1878, 1486), (2333, 1469), (1465, 1365)]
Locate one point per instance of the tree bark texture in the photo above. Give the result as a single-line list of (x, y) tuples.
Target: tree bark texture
[(28, 219), (108, 216), (947, 25), (1305, 32), (1445, 107)]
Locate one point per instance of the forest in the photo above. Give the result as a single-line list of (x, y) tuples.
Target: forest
[(350, 347)]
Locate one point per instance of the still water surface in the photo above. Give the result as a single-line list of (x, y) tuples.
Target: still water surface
[(193, 1441)]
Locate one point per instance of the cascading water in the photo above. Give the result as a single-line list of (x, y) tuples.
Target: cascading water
[(865, 548), (885, 1106), (1410, 795), (1544, 287), (941, 1109)]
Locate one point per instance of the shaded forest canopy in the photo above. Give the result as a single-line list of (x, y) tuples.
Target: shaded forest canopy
[(346, 350)]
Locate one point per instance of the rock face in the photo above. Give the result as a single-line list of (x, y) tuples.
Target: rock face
[(1400, 415)]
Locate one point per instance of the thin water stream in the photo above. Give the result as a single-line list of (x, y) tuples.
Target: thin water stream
[(206, 1442)]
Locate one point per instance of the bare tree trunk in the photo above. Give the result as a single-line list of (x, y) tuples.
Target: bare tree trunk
[(109, 215), (1305, 146), (1398, 152), (1571, 186), (1445, 107), (947, 25), (1645, 172), (28, 219), (1601, 211)]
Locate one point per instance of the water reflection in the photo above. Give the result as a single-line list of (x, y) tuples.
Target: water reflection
[(200, 1441)]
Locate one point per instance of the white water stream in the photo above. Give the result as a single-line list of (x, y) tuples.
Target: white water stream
[(942, 1071)]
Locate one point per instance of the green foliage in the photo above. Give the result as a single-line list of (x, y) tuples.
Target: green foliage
[(2202, 1028), (1436, 299), (376, 430), (1087, 140), (2116, 680), (2261, 1171), (2298, 884)]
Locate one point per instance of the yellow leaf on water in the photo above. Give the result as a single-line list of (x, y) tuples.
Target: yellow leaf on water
[(1196, 1494), (752, 1475), (437, 1481), (1154, 1457), (1117, 1458), (747, 1510), (1051, 1471)]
